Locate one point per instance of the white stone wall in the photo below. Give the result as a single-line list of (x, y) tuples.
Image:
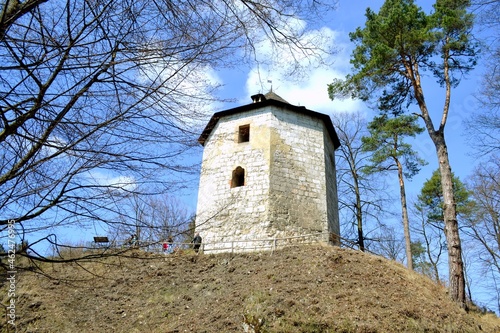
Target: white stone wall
[(298, 188), (288, 176), (225, 214)]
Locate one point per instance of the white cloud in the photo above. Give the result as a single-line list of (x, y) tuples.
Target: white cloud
[(116, 181), (194, 90), (309, 87), (188, 90)]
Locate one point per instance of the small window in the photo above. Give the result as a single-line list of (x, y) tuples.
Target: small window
[(244, 133), (238, 178)]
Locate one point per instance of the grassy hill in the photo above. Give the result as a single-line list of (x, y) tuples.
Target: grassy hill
[(297, 289)]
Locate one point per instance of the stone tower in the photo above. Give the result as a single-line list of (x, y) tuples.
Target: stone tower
[(268, 172)]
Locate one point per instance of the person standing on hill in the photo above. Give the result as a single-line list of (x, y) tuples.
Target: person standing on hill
[(197, 242), (165, 247), (133, 241), (170, 245)]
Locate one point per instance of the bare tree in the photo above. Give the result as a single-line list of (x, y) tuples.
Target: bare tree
[(360, 195), (153, 220), (430, 244), (484, 125), (389, 244), (101, 100), (484, 223)]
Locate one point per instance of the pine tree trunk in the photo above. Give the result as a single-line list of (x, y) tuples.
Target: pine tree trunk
[(406, 223), (455, 262)]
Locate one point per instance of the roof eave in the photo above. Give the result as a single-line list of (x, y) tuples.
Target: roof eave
[(268, 102)]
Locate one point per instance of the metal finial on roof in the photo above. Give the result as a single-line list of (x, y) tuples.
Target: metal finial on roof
[(271, 82)]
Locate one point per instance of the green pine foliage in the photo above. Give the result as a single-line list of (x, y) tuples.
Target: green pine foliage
[(386, 143), (431, 198), (420, 262), (401, 41)]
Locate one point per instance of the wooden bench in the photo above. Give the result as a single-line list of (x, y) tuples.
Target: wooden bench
[(101, 241)]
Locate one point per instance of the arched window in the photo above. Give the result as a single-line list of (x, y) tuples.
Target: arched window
[(238, 178)]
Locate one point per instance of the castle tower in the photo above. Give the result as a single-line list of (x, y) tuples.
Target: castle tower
[(268, 171)]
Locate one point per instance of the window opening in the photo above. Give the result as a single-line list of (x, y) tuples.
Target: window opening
[(238, 178), (244, 133)]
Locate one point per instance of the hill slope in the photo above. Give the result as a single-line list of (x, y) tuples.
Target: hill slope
[(297, 289)]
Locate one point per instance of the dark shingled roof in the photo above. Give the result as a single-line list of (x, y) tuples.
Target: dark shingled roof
[(260, 101), (272, 95)]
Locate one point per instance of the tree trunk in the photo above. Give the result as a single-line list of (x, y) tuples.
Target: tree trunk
[(455, 262), (406, 223), (359, 217), (359, 212)]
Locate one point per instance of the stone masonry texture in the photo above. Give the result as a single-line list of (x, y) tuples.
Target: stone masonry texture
[(289, 184)]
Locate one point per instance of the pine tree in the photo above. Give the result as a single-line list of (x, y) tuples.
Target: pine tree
[(392, 51), (390, 153)]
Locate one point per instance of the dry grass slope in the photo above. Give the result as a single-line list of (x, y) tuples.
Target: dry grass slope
[(297, 289)]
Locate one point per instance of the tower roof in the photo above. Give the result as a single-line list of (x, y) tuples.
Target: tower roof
[(260, 101), (273, 95)]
